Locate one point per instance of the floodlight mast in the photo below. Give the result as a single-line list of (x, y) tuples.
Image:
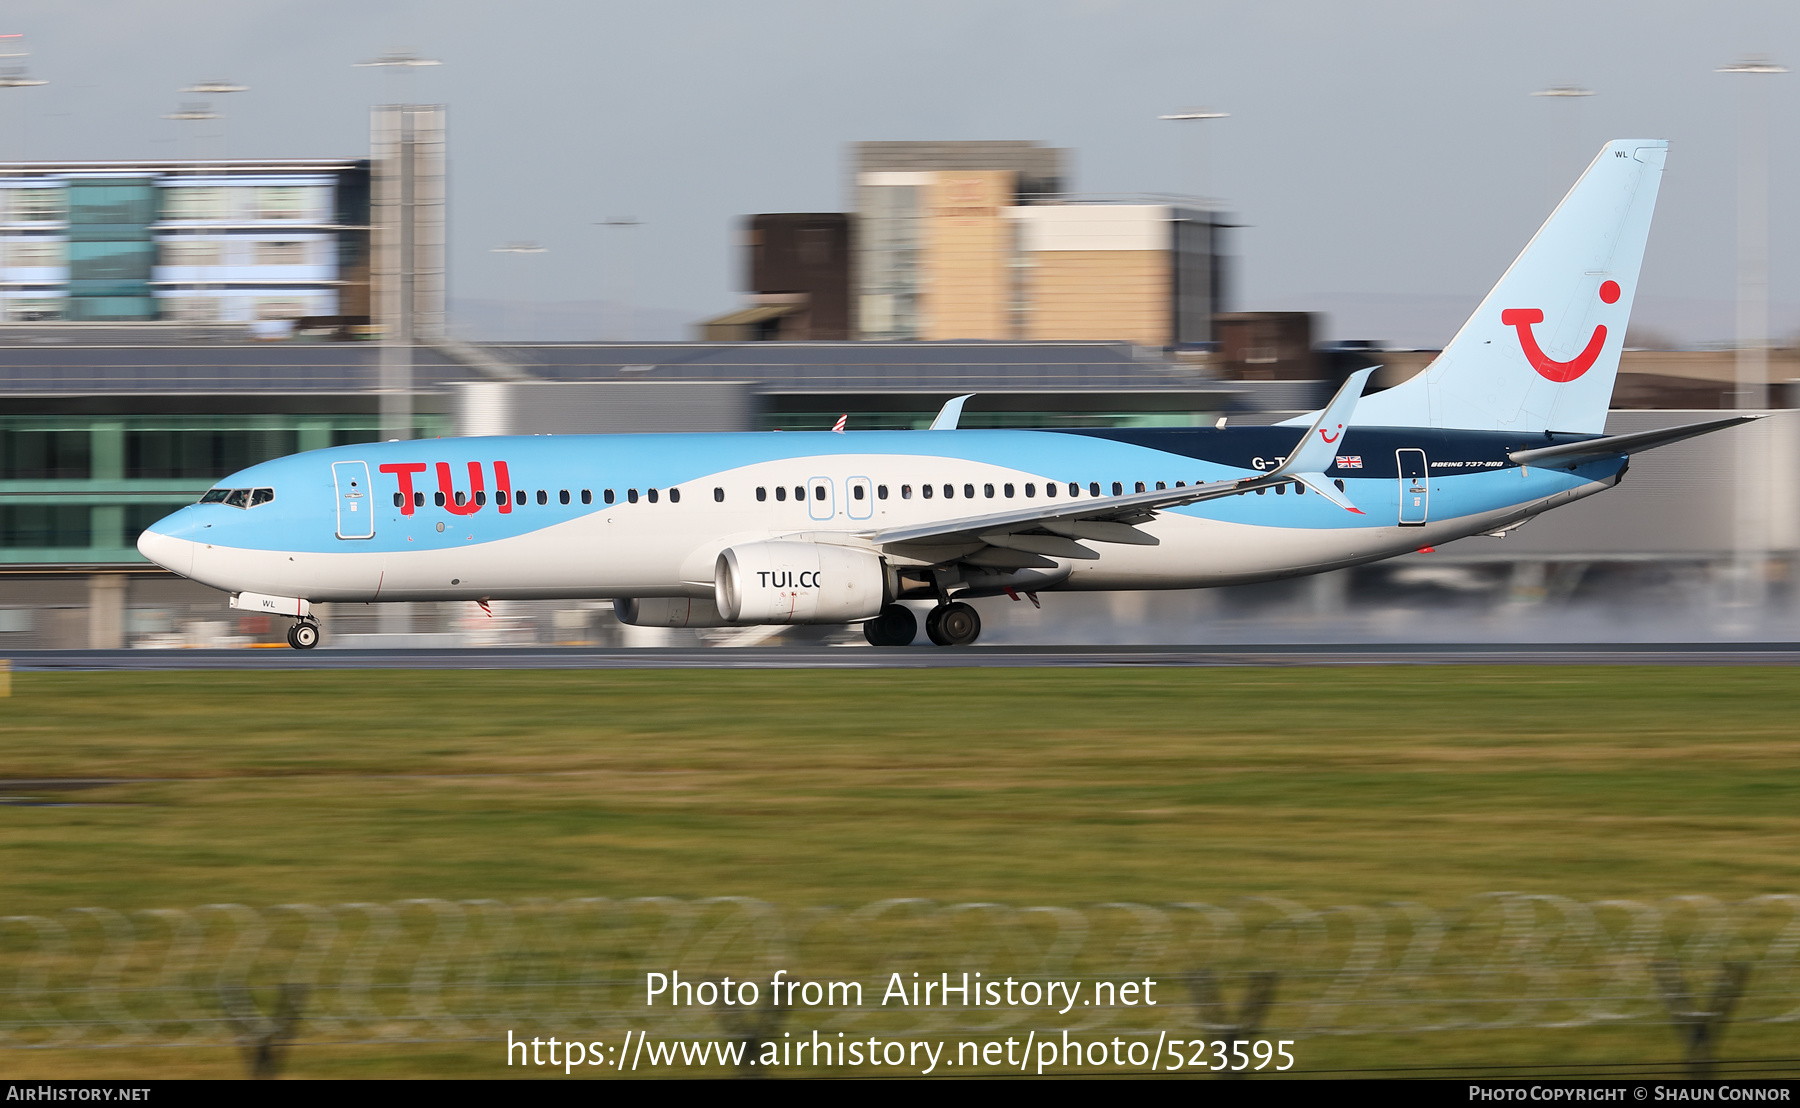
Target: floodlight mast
[(517, 248), (1752, 508), (1196, 172)]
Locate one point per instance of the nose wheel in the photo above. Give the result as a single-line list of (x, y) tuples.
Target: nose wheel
[(303, 635), (953, 624)]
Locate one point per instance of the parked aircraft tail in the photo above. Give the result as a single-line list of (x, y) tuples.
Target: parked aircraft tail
[(1542, 350)]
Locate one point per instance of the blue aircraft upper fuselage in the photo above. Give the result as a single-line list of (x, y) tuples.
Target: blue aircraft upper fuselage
[(1469, 472)]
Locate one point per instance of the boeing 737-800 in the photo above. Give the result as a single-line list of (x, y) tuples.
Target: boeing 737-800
[(705, 530)]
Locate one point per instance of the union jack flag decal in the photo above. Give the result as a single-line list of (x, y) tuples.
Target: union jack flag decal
[(1349, 461)]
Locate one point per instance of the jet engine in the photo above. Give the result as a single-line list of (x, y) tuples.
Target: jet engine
[(800, 582)]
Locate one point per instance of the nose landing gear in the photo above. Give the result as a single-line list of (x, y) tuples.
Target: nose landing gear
[(953, 624), (303, 635)]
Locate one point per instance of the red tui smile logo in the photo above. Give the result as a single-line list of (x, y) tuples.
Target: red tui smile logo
[(1329, 437), (1549, 368)]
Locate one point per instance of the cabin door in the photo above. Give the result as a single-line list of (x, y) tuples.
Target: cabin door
[(355, 507), (1415, 490)]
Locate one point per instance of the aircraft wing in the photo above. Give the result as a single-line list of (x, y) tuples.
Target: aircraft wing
[(1051, 527), (1611, 446)]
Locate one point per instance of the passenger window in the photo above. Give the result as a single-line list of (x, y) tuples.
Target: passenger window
[(856, 492), (1074, 489), (607, 495), (480, 497), (418, 500), (1008, 490), (215, 496), (238, 498), (1093, 488), (1299, 489), (399, 500), (818, 492), (969, 491), (906, 492), (1262, 490), (781, 492), (587, 496), (1280, 490), (925, 490), (1118, 488), (518, 496), (500, 497), (949, 492), (1160, 486), (718, 495), (652, 495), (987, 491), (563, 496), (881, 492), (674, 495), (1178, 484), (461, 498), (799, 492), (1140, 487), (543, 497), (261, 496), (762, 493), (1339, 483), (438, 499), (631, 496)]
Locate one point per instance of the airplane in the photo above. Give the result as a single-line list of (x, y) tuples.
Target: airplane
[(840, 527)]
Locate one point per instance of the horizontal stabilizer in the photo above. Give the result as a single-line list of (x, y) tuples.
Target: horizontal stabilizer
[(1611, 446)]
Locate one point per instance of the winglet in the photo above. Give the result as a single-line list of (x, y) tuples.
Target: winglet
[(1317, 449), (950, 415)]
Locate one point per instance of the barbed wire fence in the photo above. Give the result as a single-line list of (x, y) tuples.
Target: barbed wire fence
[(430, 970)]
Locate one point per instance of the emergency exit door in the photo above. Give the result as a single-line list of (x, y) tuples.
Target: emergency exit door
[(1415, 490), (355, 508)]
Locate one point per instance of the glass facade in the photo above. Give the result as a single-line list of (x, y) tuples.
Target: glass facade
[(81, 489), (111, 249)]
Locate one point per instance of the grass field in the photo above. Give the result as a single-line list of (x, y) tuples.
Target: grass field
[(1327, 786)]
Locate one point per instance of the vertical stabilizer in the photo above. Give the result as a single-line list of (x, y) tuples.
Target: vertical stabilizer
[(1541, 352)]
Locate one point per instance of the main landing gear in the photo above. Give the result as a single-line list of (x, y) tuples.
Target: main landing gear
[(953, 624), (304, 635)]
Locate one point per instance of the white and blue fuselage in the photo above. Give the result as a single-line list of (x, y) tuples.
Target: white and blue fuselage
[(628, 516)]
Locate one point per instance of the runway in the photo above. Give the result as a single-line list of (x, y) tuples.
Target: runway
[(917, 657)]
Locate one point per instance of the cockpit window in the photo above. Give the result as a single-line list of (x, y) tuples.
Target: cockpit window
[(239, 498)]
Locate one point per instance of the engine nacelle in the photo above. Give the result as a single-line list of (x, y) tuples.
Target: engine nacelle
[(666, 611), (800, 582)]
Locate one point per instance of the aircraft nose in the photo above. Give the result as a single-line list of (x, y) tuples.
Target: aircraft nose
[(167, 551)]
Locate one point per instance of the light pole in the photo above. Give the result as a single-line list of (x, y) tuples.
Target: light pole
[(397, 63), (1571, 95), (517, 248), (218, 88), (1192, 149), (623, 267), (1752, 505), (196, 112)]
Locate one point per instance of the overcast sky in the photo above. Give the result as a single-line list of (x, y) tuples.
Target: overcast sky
[(1379, 154)]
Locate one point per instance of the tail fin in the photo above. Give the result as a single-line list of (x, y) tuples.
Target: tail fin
[(1541, 352)]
